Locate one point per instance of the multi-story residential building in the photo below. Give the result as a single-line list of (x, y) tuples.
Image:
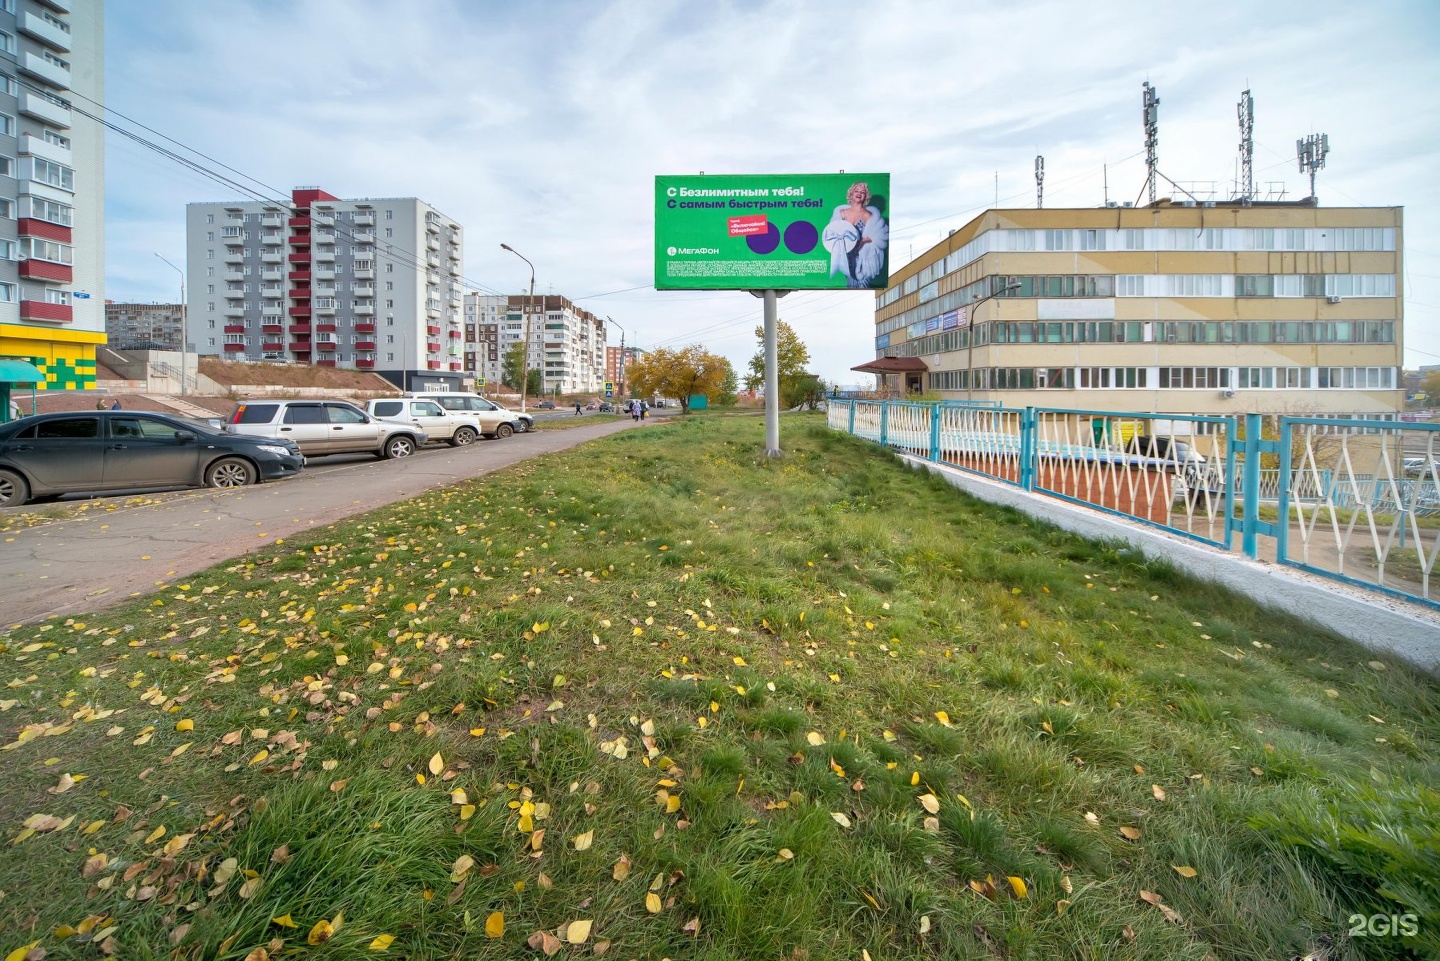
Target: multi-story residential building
[(1173, 308), (144, 326), (52, 187), (566, 343), (617, 361), (368, 284)]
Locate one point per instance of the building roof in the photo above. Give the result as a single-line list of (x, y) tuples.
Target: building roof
[(892, 365)]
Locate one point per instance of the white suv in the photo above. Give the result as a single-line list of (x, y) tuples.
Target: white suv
[(325, 427), (495, 421), (457, 428)]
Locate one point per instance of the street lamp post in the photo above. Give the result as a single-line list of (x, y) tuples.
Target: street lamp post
[(529, 306), (620, 376), (184, 325), (970, 344)]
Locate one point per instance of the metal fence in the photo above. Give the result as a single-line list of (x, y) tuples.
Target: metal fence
[(1355, 500)]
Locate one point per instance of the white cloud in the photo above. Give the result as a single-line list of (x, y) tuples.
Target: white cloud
[(542, 125)]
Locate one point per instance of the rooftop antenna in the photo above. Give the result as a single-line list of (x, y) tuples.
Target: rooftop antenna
[(1039, 183), (1246, 111), (1311, 152), (1150, 113)]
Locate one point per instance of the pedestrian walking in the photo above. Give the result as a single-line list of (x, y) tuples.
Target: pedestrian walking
[(577, 408), (634, 408), (644, 409), (116, 405)]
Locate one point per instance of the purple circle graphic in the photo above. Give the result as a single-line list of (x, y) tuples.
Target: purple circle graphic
[(765, 243), (801, 237)]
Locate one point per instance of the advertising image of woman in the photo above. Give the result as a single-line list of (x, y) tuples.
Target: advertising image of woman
[(857, 238)]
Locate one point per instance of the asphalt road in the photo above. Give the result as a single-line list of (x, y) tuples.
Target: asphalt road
[(105, 558)]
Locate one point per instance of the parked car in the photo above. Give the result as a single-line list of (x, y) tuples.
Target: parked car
[(493, 420), (456, 428), (1416, 466), (325, 427), (46, 455), (607, 408), (545, 405)]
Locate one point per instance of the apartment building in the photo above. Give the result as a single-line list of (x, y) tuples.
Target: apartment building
[(566, 343), (1172, 308), (52, 187), (369, 284), (144, 326), (617, 361)]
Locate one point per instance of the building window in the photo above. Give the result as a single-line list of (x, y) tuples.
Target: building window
[(389, 215), (53, 296), (7, 42), (56, 61), (389, 285), (58, 140), (7, 293), (36, 249), (1057, 240), (389, 231), (7, 209), (7, 125), (209, 218), (389, 305), (7, 167)]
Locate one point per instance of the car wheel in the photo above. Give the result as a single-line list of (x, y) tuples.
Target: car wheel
[(504, 430), (229, 472), (463, 437), (522, 428), (13, 489), (401, 446)]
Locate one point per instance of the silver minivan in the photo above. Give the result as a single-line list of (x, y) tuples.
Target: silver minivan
[(326, 427)]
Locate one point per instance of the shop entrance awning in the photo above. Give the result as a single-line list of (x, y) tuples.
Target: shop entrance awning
[(893, 365), (20, 372)]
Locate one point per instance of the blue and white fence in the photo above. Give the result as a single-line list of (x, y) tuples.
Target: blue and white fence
[(1355, 500)]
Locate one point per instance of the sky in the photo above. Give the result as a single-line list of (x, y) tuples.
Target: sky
[(543, 124)]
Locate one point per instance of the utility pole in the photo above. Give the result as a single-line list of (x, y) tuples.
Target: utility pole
[(184, 328), (529, 307)]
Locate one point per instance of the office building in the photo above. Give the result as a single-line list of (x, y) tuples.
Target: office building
[(368, 284), (144, 326), (1201, 308), (52, 188)]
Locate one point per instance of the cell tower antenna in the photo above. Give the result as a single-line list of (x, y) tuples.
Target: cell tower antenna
[(1311, 151), (1246, 112), (1150, 113), (1039, 182)]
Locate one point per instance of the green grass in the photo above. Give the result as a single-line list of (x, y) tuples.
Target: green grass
[(745, 680)]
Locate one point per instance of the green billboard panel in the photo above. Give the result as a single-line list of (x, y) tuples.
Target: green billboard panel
[(773, 232)]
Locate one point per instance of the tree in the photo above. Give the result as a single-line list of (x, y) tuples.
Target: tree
[(677, 373), (510, 371), (791, 358), (729, 386), (1430, 387)]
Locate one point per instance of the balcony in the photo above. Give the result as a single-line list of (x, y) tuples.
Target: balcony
[(44, 270), (235, 311), (432, 225), (364, 275), (33, 146), (364, 310), (364, 237), (322, 254), (325, 328), (300, 347), (367, 363), (433, 331), (272, 237), (299, 256), (272, 346), (299, 223), (455, 365), (62, 5), (300, 276), (44, 31), (237, 348), (271, 325), (432, 347), (234, 255), (365, 345), (325, 308), (41, 107), (40, 310), (234, 328), (234, 295), (324, 274), (365, 219), (272, 273), (272, 290), (365, 328), (299, 311), (362, 290), (329, 345), (325, 362), (51, 73), (234, 275), (456, 335), (323, 220), (433, 364), (272, 220)]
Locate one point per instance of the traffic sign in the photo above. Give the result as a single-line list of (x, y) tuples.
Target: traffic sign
[(609, 387)]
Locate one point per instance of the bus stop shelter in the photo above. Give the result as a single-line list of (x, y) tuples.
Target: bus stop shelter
[(14, 373)]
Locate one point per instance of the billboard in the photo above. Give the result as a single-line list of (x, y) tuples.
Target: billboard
[(780, 232)]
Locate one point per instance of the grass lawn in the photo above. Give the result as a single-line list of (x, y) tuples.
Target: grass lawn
[(658, 697)]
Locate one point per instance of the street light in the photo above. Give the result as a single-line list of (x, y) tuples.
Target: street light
[(620, 377), (970, 344), (529, 306), (184, 325)]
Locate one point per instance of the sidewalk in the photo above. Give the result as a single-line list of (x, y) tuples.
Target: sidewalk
[(106, 558)]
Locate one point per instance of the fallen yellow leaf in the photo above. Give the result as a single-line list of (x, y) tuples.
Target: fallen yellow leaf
[(185, 725), (382, 942), (437, 764), (652, 903), (1185, 872), (495, 925), (285, 921), (930, 803), (1018, 886), (320, 933), (583, 841), (578, 932)]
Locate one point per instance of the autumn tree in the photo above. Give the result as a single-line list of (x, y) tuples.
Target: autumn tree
[(797, 385), (511, 366), (677, 373)]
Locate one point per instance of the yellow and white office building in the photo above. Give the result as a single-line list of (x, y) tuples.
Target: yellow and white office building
[(1179, 307)]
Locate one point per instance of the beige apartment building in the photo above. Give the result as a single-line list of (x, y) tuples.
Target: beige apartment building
[(1190, 308)]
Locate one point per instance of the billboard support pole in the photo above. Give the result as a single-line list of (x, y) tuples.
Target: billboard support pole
[(772, 371)]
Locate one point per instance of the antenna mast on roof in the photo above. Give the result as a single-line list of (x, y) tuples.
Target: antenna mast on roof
[(1311, 152), (1150, 113), (1039, 182), (1246, 111)]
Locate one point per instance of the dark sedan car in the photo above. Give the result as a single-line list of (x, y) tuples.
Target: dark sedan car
[(545, 405), (47, 455)]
